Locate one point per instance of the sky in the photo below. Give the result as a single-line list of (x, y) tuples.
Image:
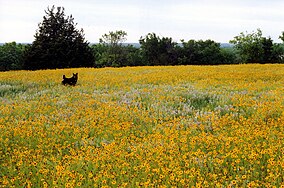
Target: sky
[(218, 20)]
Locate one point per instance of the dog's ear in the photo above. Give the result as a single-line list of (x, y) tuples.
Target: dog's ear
[(64, 77)]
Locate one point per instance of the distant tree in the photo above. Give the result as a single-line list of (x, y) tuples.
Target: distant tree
[(200, 52), (278, 53), (158, 51), (209, 52), (254, 48), (100, 52), (228, 56), (58, 44), (267, 48), (115, 54), (11, 56), (249, 46), (188, 53), (133, 56)]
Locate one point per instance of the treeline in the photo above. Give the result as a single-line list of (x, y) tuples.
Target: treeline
[(58, 44), (153, 50)]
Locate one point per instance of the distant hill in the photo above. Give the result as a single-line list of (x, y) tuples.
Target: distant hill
[(226, 45)]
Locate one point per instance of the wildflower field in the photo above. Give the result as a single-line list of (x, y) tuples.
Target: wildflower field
[(183, 126)]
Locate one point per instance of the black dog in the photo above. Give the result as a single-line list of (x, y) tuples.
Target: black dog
[(70, 81)]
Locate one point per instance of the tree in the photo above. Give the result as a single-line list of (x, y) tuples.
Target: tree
[(115, 54), (249, 46), (200, 52), (254, 48), (228, 56), (58, 44), (131, 56), (100, 52), (158, 51), (11, 56), (267, 49)]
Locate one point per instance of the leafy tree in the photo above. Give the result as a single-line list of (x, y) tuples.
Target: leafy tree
[(58, 44), (228, 56), (131, 56), (158, 51), (249, 46), (11, 56), (100, 54), (267, 48), (188, 53), (200, 52), (254, 48), (278, 53), (115, 54)]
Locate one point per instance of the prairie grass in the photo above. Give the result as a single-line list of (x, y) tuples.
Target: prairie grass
[(183, 126)]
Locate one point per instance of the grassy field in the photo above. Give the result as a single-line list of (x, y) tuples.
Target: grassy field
[(183, 126)]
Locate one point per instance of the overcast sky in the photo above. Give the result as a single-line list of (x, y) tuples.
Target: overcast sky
[(219, 20)]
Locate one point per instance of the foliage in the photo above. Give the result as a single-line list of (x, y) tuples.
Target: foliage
[(114, 39), (254, 48), (158, 51), (101, 55), (129, 56), (249, 46), (201, 53), (133, 56), (58, 44), (278, 52), (114, 55), (182, 126), (228, 56), (11, 56)]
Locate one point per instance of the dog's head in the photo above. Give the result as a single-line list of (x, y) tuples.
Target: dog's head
[(75, 76)]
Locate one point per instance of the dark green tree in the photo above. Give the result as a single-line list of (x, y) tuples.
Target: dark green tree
[(11, 56), (133, 56), (229, 56), (200, 52), (267, 48), (100, 52), (158, 51), (58, 44)]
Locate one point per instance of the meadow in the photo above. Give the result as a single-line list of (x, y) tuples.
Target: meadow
[(182, 126)]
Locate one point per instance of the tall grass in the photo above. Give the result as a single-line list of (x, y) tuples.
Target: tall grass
[(209, 126)]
